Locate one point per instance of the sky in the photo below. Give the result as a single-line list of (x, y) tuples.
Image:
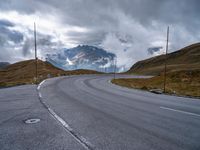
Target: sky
[(132, 29)]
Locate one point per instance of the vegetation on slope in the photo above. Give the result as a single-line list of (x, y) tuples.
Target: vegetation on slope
[(183, 72), (187, 58), (184, 83), (24, 73)]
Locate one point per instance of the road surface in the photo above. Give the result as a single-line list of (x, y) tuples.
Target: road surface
[(88, 112)]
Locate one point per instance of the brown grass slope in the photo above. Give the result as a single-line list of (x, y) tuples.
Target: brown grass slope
[(183, 83), (24, 72), (187, 58), (183, 72)]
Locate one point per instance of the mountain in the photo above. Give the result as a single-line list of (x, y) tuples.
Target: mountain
[(83, 57), (187, 59), (4, 64), (24, 72)]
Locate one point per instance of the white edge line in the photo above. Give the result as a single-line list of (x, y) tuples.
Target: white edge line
[(40, 84), (60, 120), (38, 87), (67, 127), (64, 124), (180, 111), (40, 96)]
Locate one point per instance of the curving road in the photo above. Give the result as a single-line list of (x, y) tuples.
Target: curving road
[(100, 115)]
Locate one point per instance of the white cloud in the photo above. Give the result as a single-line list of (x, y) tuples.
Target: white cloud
[(141, 38), (127, 28), (130, 40), (46, 24)]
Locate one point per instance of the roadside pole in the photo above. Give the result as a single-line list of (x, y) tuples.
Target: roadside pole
[(115, 64), (166, 60), (36, 59)]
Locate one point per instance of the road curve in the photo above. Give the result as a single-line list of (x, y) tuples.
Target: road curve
[(111, 117)]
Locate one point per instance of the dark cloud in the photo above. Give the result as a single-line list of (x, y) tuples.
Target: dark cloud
[(24, 6), (28, 44), (113, 16), (125, 27), (102, 15), (2, 41), (6, 34), (44, 43), (89, 38), (15, 36), (152, 50), (15, 43), (44, 40), (6, 23), (97, 13)]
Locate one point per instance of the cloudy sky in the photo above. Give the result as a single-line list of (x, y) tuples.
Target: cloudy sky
[(132, 29)]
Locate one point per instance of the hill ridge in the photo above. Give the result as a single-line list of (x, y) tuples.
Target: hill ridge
[(187, 58), (23, 72)]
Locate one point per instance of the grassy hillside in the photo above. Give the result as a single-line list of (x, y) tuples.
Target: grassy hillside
[(183, 72), (184, 83), (187, 58), (24, 72)]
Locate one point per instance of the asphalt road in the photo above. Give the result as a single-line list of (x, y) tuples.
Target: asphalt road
[(17, 104), (88, 112)]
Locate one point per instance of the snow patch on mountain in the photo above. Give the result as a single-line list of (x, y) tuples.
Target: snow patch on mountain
[(83, 57)]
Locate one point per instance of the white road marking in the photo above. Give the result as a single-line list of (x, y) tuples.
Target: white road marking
[(40, 96), (87, 145), (180, 111), (38, 87), (60, 119), (40, 84)]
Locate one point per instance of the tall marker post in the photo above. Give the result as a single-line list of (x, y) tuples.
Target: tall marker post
[(164, 88), (36, 59), (115, 65)]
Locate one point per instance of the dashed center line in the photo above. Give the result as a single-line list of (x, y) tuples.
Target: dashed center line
[(180, 111)]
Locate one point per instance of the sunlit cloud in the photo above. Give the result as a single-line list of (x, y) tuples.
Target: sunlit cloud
[(126, 28)]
